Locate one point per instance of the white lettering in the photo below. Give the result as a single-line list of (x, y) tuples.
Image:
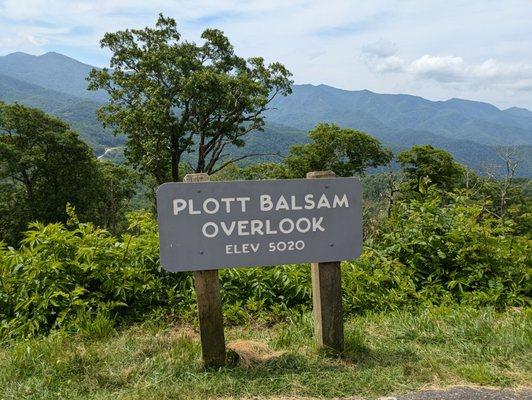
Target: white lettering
[(265, 202), (242, 226), (316, 224), (294, 205), (214, 232), (282, 204), (243, 201), (179, 205), (269, 231), (228, 229), (191, 210), (309, 202), (340, 203), (284, 222), (227, 201), (324, 202), (256, 227), (213, 210), (300, 221)]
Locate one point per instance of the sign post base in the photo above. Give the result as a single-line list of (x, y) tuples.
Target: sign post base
[(327, 296), (209, 302)]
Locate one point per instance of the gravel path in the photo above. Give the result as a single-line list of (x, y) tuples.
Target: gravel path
[(466, 393)]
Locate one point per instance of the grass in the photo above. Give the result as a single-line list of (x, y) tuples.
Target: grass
[(385, 353)]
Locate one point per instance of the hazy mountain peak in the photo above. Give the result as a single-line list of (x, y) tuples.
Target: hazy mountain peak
[(457, 100), (54, 54), (51, 70), (519, 111), (17, 55), (466, 128), (58, 56)]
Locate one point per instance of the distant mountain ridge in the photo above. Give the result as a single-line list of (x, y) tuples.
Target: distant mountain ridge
[(79, 112), (51, 71), (472, 131), (454, 118)]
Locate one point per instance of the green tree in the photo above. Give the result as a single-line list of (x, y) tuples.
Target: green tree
[(259, 171), (118, 184), (43, 167), (173, 97), (422, 162), (344, 151)]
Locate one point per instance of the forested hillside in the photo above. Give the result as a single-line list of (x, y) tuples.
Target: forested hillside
[(420, 266), (388, 113), (472, 132), (51, 71), (79, 112)]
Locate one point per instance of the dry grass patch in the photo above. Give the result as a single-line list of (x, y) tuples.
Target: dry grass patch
[(250, 352)]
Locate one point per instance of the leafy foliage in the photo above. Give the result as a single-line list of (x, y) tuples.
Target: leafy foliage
[(259, 171), (344, 151), (44, 166), (118, 186), (172, 97), (437, 165), (59, 275), (430, 252)]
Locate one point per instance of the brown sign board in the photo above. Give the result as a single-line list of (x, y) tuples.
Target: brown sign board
[(212, 225)]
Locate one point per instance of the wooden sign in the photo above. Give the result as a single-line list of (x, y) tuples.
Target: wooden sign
[(206, 225)]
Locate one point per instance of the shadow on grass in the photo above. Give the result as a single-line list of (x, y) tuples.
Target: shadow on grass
[(287, 364), (356, 355), (357, 351)]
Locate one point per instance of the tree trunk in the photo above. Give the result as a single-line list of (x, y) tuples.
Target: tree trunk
[(175, 166), (176, 154)]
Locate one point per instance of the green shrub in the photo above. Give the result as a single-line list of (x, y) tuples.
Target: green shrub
[(83, 279), (436, 252), (59, 273), (267, 293)]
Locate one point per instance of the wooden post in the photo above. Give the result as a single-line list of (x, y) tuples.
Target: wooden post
[(209, 302), (327, 296)]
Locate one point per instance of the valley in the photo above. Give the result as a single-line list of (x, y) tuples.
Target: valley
[(473, 132)]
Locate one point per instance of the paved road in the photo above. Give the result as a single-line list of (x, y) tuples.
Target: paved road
[(466, 393)]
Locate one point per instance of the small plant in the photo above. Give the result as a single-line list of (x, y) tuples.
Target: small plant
[(430, 252)]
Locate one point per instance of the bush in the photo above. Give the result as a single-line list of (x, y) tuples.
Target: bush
[(80, 278), (436, 251), (59, 274), (70, 277), (270, 294)]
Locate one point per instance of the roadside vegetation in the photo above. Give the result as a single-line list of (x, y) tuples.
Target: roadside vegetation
[(440, 295), (393, 352)]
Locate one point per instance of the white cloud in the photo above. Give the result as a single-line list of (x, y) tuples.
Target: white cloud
[(451, 69), (381, 49), (316, 39), (21, 42), (444, 69)]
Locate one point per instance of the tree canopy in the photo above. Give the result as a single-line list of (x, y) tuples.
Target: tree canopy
[(173, 97), (43, 167), (344, 151), (421, 162)]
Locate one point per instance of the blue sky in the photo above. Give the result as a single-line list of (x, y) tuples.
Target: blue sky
[(480, 50)]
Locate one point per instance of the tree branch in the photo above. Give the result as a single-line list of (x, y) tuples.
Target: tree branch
[(225, 164)]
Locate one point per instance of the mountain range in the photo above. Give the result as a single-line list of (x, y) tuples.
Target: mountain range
[(472, 131)]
